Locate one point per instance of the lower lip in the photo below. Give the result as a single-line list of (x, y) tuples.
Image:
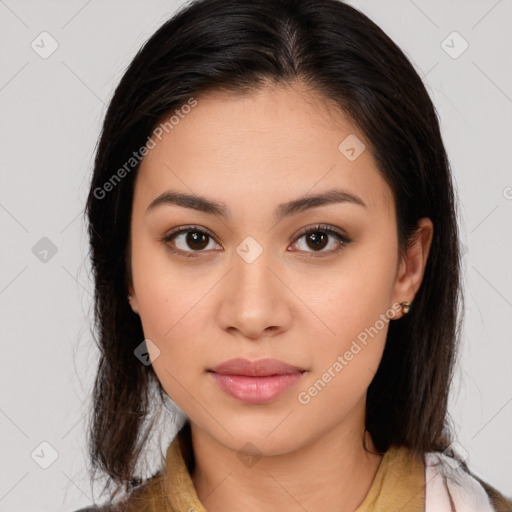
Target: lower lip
[(255, 390)]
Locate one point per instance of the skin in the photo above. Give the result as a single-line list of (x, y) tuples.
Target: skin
[(303, 307)]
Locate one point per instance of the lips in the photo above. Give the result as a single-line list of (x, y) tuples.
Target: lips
[(255, 382), (258, 368)]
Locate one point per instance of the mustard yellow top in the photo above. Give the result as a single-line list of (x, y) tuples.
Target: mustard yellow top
[(399, 484)]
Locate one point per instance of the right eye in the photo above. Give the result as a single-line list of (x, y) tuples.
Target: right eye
[(187, 240)]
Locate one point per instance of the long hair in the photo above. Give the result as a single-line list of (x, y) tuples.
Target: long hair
[(239, 46)]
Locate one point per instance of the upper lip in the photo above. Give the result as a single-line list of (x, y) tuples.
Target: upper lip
[(258, 368)]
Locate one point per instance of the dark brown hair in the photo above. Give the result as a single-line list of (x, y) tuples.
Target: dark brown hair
[(238, 46)]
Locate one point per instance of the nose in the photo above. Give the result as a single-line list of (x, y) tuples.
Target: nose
[(254, 299)]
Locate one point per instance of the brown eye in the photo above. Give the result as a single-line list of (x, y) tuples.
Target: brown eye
[(196, 240), (317, 240), (189, 240)]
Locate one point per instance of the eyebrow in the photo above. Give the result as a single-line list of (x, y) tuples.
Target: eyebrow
[(283, 210)]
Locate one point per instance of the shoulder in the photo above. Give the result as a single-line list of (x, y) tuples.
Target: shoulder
[(449, 481)]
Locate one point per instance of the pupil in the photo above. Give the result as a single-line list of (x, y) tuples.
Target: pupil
[(194, 237), (319, 240)]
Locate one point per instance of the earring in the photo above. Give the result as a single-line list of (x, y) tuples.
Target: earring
[(130, 297), (405, 307)]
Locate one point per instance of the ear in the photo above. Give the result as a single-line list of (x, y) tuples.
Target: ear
[(133, 301), (411, 266)]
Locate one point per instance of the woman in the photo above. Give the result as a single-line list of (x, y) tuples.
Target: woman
[(275, 248)]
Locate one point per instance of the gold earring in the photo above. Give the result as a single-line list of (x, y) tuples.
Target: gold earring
[(405, 307)]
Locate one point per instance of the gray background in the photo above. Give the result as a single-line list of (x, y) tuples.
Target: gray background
[(51, 110)]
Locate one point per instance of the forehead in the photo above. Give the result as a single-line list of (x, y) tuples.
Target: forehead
[(275, 143)]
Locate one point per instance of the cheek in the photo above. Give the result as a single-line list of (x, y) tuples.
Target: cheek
[(162, 295), (171, 314), (355, 306), (348, 355), (174, 316), (354, 296), (172, 321)]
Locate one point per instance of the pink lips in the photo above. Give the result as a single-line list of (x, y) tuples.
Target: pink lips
[(255, 382)]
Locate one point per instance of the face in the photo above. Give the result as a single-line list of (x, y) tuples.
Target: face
[(264, 273)]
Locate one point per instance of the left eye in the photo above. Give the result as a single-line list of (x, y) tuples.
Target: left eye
[(317, 239)]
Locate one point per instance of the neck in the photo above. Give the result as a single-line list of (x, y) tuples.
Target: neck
[(333, 472)]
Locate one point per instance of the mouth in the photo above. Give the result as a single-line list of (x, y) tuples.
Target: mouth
[(255, 382), (259, 368)]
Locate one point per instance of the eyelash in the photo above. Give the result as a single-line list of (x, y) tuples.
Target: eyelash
[(323, 228)]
